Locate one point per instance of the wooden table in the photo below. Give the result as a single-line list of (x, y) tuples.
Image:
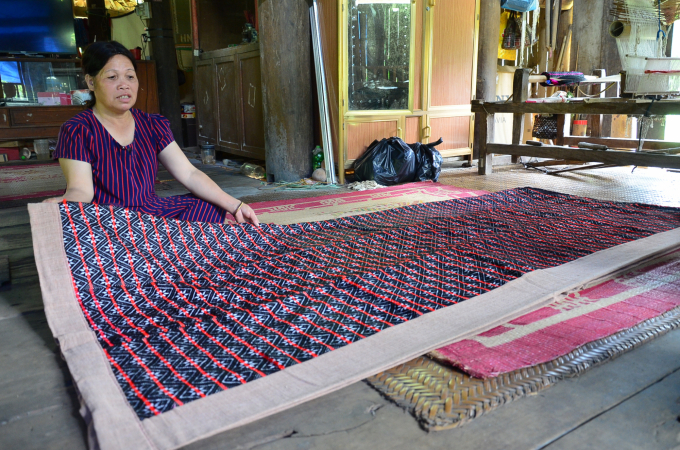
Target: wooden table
[(485, 111)]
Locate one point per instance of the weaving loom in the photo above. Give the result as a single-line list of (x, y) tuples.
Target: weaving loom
[(174, 331), (640, 28)]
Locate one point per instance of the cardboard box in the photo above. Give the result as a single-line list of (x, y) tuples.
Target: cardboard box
[(65, 99), (53, 98), (49, 98), (11, 153)]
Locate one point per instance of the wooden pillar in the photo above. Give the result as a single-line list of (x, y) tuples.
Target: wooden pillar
[(587, 35), (487, 61), (285, 55), (163, 45), (98, 21), (520, 88)]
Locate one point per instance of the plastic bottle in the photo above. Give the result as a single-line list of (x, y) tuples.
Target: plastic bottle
[(317, 157), (252, 170)]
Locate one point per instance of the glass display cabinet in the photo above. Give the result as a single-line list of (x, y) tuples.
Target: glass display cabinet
[(407, 68), (35, 95), (23, 80), (379, 55)]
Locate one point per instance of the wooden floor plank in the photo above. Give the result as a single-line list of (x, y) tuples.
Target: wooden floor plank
[(38, 403), (4, 269), (20, 296), (22, 263), (15, 237), (13, 216), (649, 419)]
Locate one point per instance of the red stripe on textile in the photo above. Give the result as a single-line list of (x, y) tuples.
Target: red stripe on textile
[(153, 377), (106, 277), (231, 352), (213, 359), (160, 245), (131, 384), (174, 249), (167, 276), (87, 274), (122, 282), (174, 371), (228, 240), (132, 266), (259, 322), (254, 349)]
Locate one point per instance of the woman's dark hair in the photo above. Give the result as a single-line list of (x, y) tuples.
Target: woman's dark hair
[(97, 54)]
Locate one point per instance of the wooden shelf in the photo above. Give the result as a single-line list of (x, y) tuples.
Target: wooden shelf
[(617, 157), (627, 107), (485, 111)]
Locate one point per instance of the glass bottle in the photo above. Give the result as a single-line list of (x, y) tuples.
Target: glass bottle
[(252, 171)]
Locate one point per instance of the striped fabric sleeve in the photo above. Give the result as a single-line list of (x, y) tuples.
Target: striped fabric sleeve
[(161, 127), (71, 143)]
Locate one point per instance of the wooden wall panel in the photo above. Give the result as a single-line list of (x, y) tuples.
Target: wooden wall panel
[(328, 20), (360, 135), (452, 48), (147, 95), (412, 130), (416, 85), (454, 130)]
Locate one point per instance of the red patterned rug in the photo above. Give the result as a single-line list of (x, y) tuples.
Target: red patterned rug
[(18, 183), (334, 206), (579, 318)]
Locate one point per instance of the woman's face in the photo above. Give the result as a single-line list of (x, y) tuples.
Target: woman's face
[(115, 86)]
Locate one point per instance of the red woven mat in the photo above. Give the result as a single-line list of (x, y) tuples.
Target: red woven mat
[(566, 324)]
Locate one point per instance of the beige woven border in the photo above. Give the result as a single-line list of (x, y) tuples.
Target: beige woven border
[(117, 427)]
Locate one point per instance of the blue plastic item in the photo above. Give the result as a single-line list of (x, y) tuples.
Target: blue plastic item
[(519, 5)]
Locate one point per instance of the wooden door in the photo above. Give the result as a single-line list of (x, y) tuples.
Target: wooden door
[(207, 110), (228, 103), (252, 115), (451, 78)]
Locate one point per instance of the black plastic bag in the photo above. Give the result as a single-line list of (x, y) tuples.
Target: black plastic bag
[(387, 162), (428, 161)]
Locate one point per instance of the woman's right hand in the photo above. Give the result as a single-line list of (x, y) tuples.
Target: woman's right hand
[(245, 214), (53, 200)]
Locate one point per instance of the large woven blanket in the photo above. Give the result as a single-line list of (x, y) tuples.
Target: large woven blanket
[(183, 311)]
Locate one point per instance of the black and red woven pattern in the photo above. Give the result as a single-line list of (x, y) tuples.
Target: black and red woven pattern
[(184, 309)]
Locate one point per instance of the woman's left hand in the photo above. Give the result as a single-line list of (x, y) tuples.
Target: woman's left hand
[(245, 214)]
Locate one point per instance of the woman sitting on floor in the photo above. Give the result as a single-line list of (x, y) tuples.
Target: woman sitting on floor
[(109, 153)]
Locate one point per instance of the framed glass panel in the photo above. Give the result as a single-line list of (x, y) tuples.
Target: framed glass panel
[(379, 54)]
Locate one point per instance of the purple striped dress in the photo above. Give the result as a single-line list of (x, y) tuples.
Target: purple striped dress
[(125, 176)]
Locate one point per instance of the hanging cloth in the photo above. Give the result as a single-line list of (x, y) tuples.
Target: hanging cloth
[(519, 5)]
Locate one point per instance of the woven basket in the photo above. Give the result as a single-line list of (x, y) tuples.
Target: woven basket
[(545, 126)]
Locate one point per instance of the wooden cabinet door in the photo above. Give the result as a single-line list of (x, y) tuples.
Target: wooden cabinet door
[(360, 134), (228, 103), (252, 116), (207, 110), (4, 118), (454, 131)]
